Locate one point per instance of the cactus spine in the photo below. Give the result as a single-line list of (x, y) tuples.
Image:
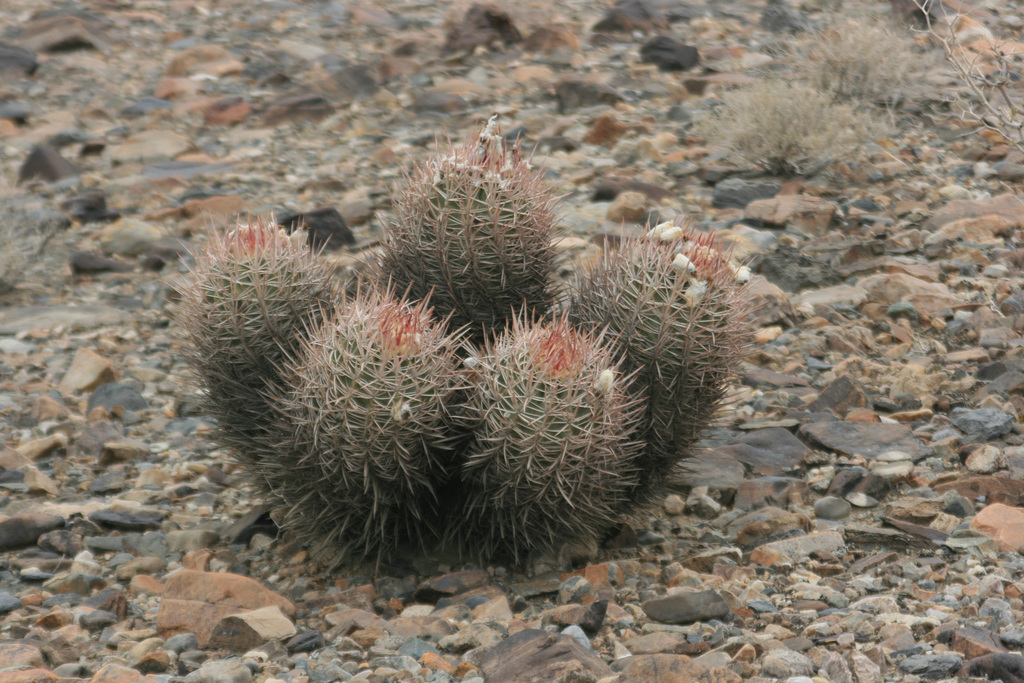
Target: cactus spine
[(674, 306), (552, 453), (473, 229)]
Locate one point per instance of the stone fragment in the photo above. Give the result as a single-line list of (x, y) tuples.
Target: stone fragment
[(549, 38), (1003, 524), (88, 370), (535, 655), (440, 103), (605, 131), (687, 607), (226, 111), (994, 489), (45, 163), (737, 193), (630, 15), (195, 602), (975, 642), (574, 93), (482, 26), (129, 237), (448, 585), (869, 440), (765, 491), (982, 423), (25, 529), (798, 549), (29, 676), (804, 213), (86, 316), (296, 109), (16, 61), (786, 663), (89, 263), (930, 666), (114, 396), (666, 668), (628, 207), (1001, 666), (326, 227), (149, 146), (194, 58), (247, 630), (669, 54), (223, 671), (841, 396), (928, 298), (14, 653)]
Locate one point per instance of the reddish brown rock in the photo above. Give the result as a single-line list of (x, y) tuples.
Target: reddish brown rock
[(13, 653), (197, 601), (246, 630), (809, 215), (994, 489), (663, 668), (227, 111), (605, 131), (115, 673), (551, 38), (1003, 524), (976, 642)]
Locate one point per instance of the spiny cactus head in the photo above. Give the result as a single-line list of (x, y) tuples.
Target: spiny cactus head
[(676, 309), (553, 454), (473, 228), (369, 438)]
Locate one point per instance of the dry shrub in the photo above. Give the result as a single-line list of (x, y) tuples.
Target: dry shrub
[(855, 61), (22, 238), (786, 128)]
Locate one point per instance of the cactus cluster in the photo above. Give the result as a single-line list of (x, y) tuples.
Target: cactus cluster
[(451, 400)]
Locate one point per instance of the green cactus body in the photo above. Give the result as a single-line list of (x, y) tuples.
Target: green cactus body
[(552, 454), (675, 308), (253, 297), (473, 230), (370, 437)]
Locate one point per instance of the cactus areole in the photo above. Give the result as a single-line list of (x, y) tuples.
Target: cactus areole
[(471, 411)]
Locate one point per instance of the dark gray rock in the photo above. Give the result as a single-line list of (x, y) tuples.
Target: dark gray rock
[(128, 520), (114, 395), (326, 227), (573, 93), (669, 54), (8, 603), (45, 163), (22, 530), (982, 423), (931, 666), (869, 440), (686, 608), (736, 193)]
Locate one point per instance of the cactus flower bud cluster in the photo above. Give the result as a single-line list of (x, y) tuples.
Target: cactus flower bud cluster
[(469, 410)]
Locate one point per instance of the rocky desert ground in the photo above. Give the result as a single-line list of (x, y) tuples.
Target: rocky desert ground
[(857, 514)]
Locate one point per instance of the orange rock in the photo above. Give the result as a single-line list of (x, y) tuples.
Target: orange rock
[(1003, 524), (144, 584), (226, 111), (115, 673), (197, 601), (432, 660)]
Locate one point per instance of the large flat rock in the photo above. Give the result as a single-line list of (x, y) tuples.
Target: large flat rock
[(862, 438), (15, 320)]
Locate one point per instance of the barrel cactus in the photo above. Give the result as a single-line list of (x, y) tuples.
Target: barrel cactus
[(473, 228), (252, 298), (674, 306), (368, 434), (552, 454)]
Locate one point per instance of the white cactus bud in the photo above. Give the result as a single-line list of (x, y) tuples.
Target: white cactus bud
[(605, 382), (683, 264), (671, 235), (401, 411), (743, 275), (655, 232), (695, 292)]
